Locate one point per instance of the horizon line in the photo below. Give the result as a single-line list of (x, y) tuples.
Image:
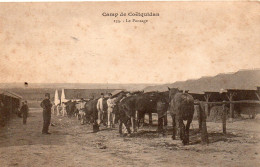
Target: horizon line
[(158, 83)]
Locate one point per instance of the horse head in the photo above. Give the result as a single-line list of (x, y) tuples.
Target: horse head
[(172, 92)]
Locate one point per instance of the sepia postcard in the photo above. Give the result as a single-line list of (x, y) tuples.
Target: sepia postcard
[(154, 83)]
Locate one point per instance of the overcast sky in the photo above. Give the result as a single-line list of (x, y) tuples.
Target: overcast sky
[(73, 42)]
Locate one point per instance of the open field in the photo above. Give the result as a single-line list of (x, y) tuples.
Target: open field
[(72, 144)]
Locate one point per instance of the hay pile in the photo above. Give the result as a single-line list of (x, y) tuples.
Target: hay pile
[(216, 113)]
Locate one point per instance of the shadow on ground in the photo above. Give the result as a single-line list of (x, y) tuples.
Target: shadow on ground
[(195, 135), (17, 134)]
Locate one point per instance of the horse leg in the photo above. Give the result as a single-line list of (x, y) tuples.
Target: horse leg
[(127, 126), (120, 127), (142, 115), (133, 122), (109, 118), (138, 119), (150, 118), (128, 129), (165, 119), (84, 117), (187, 131), (164, 124), (160, 123), (173, 127), (181, 129)]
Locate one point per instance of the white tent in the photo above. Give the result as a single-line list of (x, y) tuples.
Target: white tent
[(56, 98), (62, 98)]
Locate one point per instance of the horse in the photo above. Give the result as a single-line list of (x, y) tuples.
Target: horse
[(158, 103), (71, 108), (181, 108), (133, 108)]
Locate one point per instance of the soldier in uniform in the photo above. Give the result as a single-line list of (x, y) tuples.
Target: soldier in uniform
[(24, 111), (110, 112), (100, 109), (46, 105)]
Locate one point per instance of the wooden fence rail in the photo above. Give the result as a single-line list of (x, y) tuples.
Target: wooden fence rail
[(229, 102)]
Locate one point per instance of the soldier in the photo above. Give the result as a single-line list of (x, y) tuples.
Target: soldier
[(100, 109), (24, 111), (46, 105), (110, 113)]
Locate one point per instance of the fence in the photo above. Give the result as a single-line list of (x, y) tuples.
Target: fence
[(204, 109)]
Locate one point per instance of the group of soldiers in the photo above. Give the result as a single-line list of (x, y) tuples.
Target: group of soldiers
[(105, 108), (110, 114), (46, 106), (108, 120)]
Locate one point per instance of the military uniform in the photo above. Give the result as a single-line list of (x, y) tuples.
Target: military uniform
[(46, 105), (24, 111), (100, 108), (110, 113)]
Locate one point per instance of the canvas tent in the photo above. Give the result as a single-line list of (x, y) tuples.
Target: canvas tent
[(56, 98)]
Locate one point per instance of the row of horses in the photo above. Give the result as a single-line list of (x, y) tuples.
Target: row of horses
[(130, 111)]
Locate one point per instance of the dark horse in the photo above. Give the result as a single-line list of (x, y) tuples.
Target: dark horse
[(181, 108), (91, 115), (71, 108), (133, 108)]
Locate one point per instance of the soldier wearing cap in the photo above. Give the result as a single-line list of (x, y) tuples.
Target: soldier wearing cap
[(46, 105)]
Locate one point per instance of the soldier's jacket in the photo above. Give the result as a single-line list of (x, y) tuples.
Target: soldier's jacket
[(46, 105), (24, 109)]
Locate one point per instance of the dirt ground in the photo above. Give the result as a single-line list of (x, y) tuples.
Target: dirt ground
[(72, 144)]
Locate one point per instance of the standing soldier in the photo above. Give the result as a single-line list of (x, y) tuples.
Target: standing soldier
[(24, 111), (46, 105), (100, 109), (110, 114)]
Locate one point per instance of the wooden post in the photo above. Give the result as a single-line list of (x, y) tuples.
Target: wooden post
[(257, 95), (231, 108), (198, 112), (224, 118), (204, 133), (207, 96), (206, 109)]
